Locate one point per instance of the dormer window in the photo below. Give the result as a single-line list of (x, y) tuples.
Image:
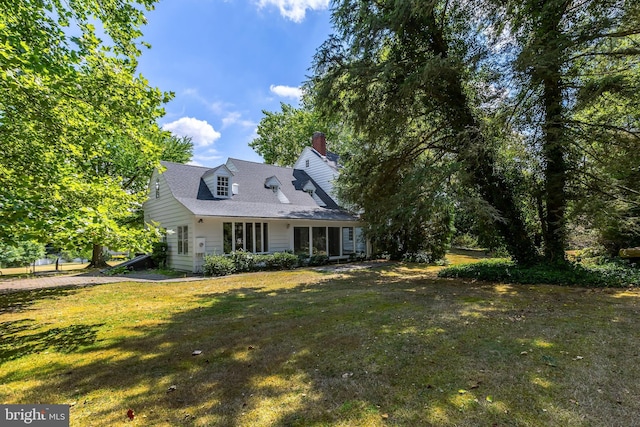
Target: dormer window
[(157, 188), (306, 163), (273, 183), (222, 186), (309, 188)]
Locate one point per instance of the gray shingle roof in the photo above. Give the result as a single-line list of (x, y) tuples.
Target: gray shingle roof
[(253, 198)]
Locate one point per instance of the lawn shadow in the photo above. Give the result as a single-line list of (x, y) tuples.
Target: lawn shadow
[(17, 341), (365, 347), (19, 301)]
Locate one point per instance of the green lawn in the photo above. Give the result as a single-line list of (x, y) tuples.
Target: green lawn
[(390, 346)]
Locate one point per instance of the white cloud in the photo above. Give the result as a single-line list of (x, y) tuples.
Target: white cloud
[(295, 10), (235, 118), (286, 91), (202, 133), (230, 119)]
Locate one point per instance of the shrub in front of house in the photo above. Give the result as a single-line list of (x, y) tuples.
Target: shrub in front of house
[(243, 261), (218, 265), (318, 259), (280, 261)]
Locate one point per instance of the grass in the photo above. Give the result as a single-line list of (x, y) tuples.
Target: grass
[(391, 346), (67, 267), (48, 268)]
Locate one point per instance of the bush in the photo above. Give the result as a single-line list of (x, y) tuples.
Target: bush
[(608, 275), (243, 261), (218, 265), (359, 256), (419, 257), (466, 241), (319, 259), (159, 254), (281, 261)]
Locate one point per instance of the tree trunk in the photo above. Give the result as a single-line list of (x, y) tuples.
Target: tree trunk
[(480, 160), (547, 71), (555, 174), (97, 257)]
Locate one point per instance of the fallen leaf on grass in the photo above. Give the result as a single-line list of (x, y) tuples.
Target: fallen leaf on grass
[(131, 414), (172, 388), (196, 353)]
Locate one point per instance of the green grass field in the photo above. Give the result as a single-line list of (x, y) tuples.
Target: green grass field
[(389, 346)]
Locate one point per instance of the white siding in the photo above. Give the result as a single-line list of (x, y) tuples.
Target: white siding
[(323, 174), (279, 236), (170, 214), (211, 230)]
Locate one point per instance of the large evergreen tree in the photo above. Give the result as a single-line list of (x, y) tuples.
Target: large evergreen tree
[(405, 72), (471, 80)]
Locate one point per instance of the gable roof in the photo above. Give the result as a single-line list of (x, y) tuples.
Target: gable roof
[(332, 160), (253, 199)]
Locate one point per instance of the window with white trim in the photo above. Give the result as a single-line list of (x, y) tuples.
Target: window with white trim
[(222, 186), (183, 240), (247, 236)]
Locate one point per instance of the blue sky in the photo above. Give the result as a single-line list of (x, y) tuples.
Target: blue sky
[(226, 61)]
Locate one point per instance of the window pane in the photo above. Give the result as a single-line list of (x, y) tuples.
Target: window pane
[(334, 241), (185, 238), (249, 240), (239, 236), (222, 188), (265, 230), (348, 246), (301, 240), (227, 238), (259, 237), (180, 239), (319, 239)]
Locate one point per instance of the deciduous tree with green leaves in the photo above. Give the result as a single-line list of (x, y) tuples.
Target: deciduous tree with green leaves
[(77, 123), (282, 135)]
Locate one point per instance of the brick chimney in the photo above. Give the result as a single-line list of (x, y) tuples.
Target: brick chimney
[(319, 143)]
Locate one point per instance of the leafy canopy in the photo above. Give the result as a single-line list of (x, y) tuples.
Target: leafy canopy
[(77, 123)]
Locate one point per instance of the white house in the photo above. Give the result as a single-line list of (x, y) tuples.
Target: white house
[(255, 207)]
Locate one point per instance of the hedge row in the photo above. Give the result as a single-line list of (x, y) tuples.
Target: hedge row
[(240, 261)]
